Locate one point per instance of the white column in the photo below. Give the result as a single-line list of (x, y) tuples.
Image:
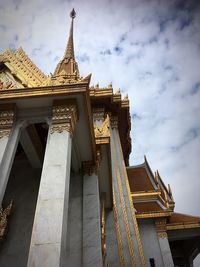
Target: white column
[(166, 252), (131, 244), (9, 138), (163, 242), (92, 252), (48, 242)]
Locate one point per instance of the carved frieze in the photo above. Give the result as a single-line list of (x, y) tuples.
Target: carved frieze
[(7, 117), (7, 81), (98, 115), (64, 116)]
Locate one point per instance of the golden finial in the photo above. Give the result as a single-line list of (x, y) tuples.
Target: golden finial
[(73, 14)]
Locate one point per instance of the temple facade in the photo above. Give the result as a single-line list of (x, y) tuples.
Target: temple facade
[(68, 195)]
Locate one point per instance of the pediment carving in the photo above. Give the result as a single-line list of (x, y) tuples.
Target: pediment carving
[(8, 81)]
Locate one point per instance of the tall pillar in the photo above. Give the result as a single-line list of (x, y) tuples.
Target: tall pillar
[(92, 252), (128, 236), (163, 242), (48, 241), (9, 138)]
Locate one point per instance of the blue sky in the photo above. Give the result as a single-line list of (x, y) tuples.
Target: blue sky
[(148, 49)]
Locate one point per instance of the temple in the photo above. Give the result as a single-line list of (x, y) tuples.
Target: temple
[(68, 195)]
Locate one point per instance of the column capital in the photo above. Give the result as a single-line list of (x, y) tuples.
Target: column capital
[(114, 122), (161, 227), (65, 116), (7, 118), (89, 167)]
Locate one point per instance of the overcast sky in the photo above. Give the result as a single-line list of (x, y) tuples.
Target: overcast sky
[(148, 49)]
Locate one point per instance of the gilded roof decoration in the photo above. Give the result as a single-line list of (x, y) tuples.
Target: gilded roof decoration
[(148, 191), (21, 67), (104, 129), (67, 69)]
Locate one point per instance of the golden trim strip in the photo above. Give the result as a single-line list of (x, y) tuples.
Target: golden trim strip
[(180, 226), (31, 92), (125, 217), (147, 194), (137, 233), (117, 228), (153, 214), (141, 252)]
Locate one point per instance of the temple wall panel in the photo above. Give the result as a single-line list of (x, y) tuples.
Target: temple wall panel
[(150, 241)]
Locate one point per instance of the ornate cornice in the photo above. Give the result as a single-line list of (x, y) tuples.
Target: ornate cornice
[(182, 225), (60, 90), (146, 215), (64, 116), (7, 117)]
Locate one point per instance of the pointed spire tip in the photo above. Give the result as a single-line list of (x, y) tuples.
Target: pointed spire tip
[(73, 14)]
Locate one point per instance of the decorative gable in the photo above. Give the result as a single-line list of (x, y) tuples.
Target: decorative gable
[(18, 71), (8, 80)]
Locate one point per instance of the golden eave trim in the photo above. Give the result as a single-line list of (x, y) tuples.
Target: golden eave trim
[(185, 225), (153, 215), (146, 194), (101, 92), (30, 92)]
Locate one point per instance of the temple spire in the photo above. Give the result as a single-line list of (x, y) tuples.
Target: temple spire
[(69, 51), (67, 66)]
